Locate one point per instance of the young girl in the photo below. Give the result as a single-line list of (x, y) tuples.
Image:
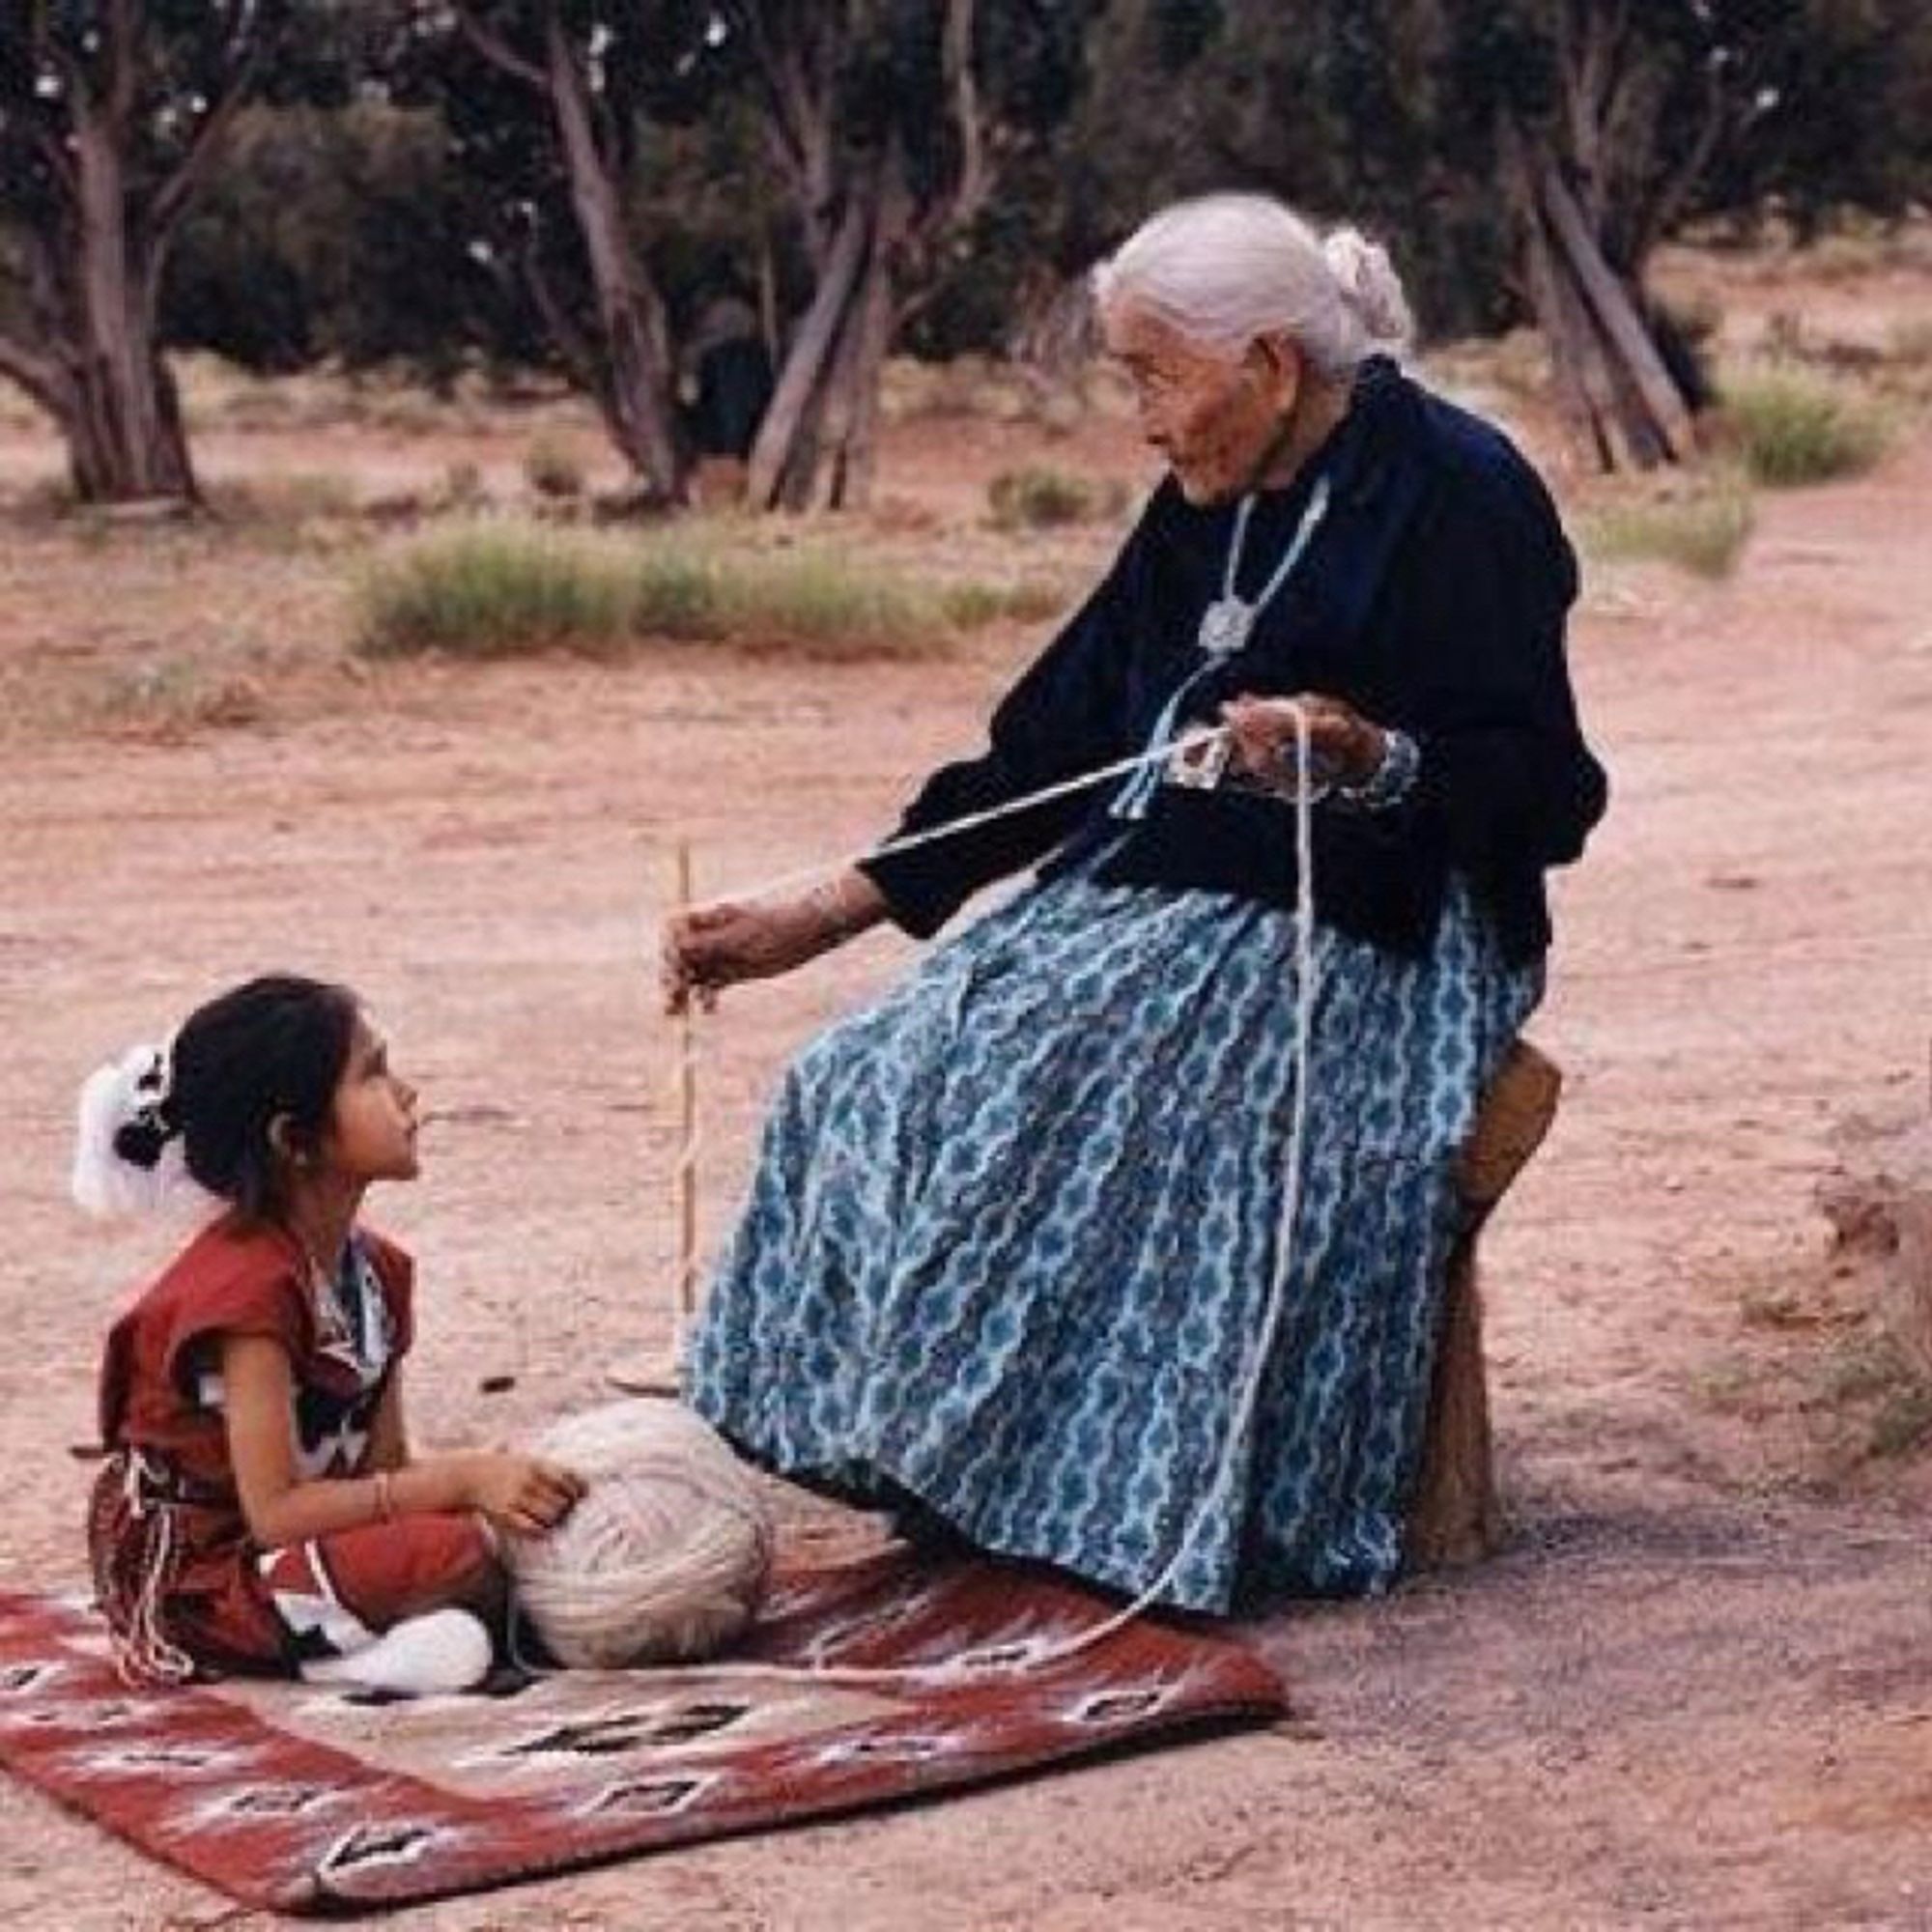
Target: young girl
[(260, 1510)]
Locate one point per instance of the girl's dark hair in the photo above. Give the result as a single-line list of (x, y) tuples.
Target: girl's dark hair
[(276, 1045)]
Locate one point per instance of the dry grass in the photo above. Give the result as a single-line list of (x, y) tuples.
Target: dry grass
[(1041, 499), (1700, 525), (552, 471), (285, 500), (1824, 1358), (503, 588), (1792, 428)]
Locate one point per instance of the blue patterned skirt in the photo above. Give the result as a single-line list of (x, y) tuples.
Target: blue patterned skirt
[(1012, 1231)]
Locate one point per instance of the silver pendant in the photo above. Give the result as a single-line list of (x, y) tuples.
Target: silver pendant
[(1225, 625)]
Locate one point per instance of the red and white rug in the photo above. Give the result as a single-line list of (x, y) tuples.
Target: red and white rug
[(311, 1802)]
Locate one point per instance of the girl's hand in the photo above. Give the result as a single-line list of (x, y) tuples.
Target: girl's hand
[(714, 945), (1344, 748), (521, 1494)]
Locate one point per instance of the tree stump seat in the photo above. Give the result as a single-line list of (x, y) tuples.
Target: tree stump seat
[(1455, 1516)]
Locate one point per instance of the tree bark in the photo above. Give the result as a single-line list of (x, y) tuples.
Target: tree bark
[(1619, 402), (863, 229), (1635, 353), (872, 336), (95, 257), (635, 386), (95, 369), (784, 456), (626, 363), (130, 443)]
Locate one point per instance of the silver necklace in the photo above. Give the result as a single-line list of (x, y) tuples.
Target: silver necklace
[(1228, 621)]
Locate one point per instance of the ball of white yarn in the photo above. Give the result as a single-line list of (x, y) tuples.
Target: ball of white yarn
[(664, 1558)]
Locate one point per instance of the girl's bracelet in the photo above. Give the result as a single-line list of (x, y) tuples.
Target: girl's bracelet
[(386, 1496)]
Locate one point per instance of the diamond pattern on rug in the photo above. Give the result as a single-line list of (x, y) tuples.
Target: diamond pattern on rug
[(323, 1803)]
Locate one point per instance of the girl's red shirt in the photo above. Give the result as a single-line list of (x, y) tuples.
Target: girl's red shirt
[(168, 1541), (160, 1375)]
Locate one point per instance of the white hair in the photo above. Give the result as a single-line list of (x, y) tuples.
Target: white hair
[(1226, 269)]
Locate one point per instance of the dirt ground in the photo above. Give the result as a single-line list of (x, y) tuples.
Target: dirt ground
[(1694, 1689)]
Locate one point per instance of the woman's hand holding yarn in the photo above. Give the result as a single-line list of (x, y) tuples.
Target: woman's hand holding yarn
[(1344, 748), (716, 945), (521, 1494)]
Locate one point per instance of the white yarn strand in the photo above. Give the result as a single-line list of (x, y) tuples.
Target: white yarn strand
[(1007, 1657), (911, 841)]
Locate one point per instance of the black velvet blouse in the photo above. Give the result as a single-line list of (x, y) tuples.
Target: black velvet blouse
[(1432, 598)]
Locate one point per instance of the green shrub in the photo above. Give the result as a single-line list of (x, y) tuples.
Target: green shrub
[(674, 594), (1042, 499), (1704, 533), (974, 604), (496, 589), (1792, 428), (551, 470), (463, 486), (494, 593), (1903, 1422), (834, 603)]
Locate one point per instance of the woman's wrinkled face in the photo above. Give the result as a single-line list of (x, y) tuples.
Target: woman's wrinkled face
[(1216, 415)]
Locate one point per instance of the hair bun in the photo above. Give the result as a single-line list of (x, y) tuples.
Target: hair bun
[(1369, 286)]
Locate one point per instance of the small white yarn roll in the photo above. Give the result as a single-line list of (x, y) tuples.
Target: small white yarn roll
[(664, 1558)]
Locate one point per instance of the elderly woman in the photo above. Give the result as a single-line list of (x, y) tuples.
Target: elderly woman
[(1014, 1230)]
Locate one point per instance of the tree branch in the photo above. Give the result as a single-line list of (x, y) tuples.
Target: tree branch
[(1652, 222), (606, 139), (797, 83), (976, 178), (203, 149), (44, 294), (497, 51), (785, 140), (124, 63), (38, 374), (581, 360), (817, 83), (79, 93), (59, 162)]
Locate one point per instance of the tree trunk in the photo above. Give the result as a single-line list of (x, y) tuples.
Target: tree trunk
[(866, 228), (864, 373), (1620, 403), (98, 373), (635, 386), (120, 411), (784, 458), (1650, 400), (819, 440)]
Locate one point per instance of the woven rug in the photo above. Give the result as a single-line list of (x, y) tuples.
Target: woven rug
[(330, 1803)]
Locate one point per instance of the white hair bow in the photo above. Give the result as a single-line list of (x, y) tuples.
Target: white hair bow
[(126, 1160)]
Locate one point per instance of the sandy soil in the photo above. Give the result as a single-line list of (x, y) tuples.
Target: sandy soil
[(1695, 1690)]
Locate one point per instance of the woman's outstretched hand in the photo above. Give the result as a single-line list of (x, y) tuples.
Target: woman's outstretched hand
[(716, 945), (1344, 748)]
